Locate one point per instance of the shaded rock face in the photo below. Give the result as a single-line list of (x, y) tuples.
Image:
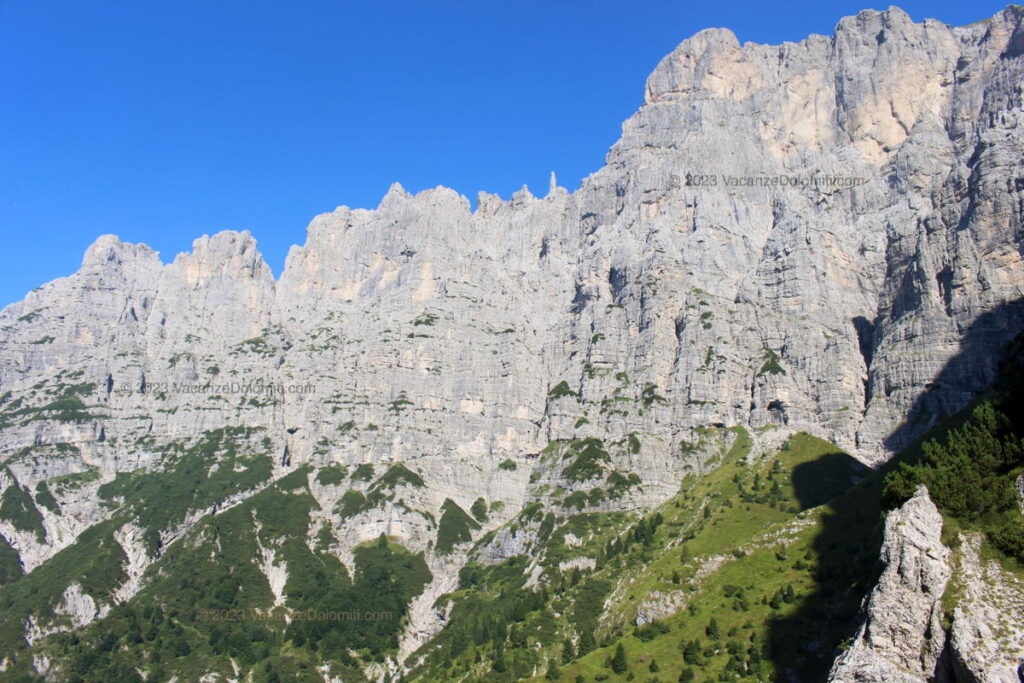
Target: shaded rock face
[(901, 638), (800, 235)]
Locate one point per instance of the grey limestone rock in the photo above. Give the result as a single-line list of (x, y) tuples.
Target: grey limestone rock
[(901, 638), (987, 635), (823, 236)]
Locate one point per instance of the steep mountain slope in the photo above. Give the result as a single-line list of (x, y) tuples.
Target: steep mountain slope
[(714, 581), (819, 237)]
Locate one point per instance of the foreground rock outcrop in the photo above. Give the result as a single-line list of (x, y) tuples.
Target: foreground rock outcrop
[(902, 637), (906, 634)]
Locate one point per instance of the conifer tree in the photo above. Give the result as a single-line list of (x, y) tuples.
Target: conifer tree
[(619, 663), (712, 630)]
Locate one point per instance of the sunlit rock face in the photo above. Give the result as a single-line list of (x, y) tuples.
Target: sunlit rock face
[(801, 235), (902, 637)]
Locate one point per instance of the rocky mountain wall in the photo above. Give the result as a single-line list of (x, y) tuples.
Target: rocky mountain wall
[(796, 235)]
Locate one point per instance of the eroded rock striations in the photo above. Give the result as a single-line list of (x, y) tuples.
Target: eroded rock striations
[(823, 235)]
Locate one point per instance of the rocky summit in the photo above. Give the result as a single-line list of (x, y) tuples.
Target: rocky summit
[(536, 437)]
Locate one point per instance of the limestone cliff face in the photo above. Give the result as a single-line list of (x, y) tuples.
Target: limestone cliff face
[(825, 235)]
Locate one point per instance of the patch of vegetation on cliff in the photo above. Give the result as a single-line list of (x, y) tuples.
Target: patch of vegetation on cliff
[(425, 319), (17, 507), (561, 390), (10, 563), (66, 406), (398, 475), (589, 457), (363, 472), (210, 607), (400, 403), (195, 476), (45, 498), (650, 396), (479, 510), (352, 503), (331, 475), (454, 528), (771, 364), (31, 315), (73, 481), (259, 346)]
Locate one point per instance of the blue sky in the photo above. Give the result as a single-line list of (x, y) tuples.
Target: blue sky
[(162, 121)]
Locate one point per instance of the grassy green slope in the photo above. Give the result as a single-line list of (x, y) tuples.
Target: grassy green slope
[(758, 569)]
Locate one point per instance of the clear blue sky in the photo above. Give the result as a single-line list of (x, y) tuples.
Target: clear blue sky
[(161, 121)]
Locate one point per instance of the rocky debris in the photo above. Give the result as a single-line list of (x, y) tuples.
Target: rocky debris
[(76, 609), (583, 563), (425, 617), (901, 638), (131, 538), (659, 605), (987, 635), (275, 570)]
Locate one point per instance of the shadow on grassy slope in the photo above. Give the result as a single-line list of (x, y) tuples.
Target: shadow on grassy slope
[(803, 644), (818, 481)]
